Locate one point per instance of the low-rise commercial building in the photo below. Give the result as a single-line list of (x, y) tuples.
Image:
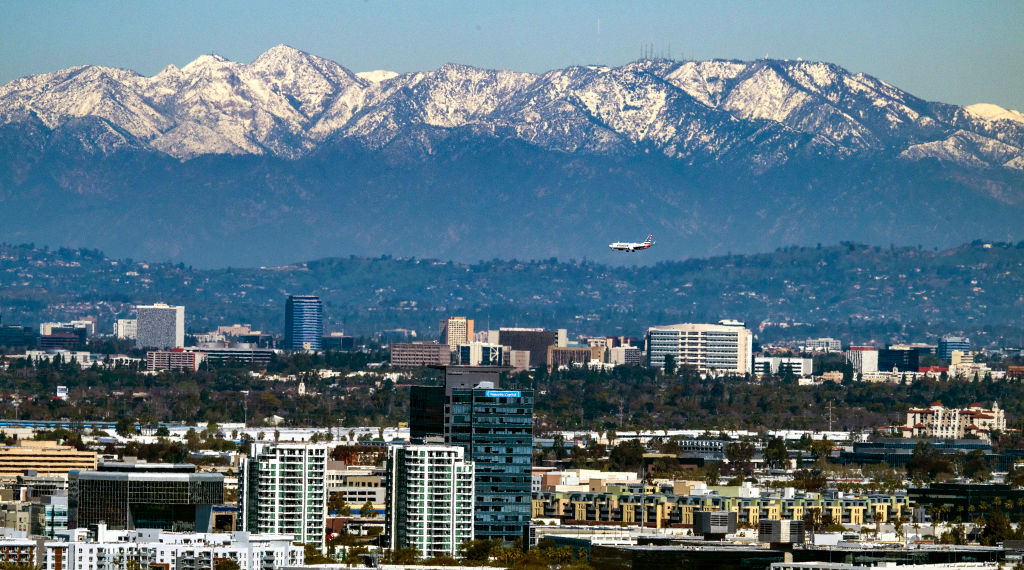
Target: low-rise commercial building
[(764, 365), (419, 354), (144, 495), (568, 355), (44, 458), (357, 484), (173, 360)]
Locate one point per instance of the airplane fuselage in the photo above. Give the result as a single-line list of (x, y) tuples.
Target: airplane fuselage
[(632, 246)]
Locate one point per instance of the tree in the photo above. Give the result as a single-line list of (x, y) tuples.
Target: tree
[(821, 449), (367, 510), (976, 467), (628, 455), (670, 365), (336, 504), (740, 452), (227, 564), (405, 555), (775, 453), (124, 427), (477, 551), (559, 446)]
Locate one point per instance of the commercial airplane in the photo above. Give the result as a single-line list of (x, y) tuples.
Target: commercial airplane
[(631, 246)]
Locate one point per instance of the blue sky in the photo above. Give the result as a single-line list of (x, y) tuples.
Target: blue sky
[(959, 52)]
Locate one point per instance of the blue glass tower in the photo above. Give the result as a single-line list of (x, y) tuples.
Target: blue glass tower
[(303, 322)]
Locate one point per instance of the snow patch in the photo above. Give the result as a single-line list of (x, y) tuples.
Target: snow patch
[(990, 112), (377, 75)]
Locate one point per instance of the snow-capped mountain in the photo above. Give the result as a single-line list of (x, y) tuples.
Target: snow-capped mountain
[(288, 103), (293, 156)]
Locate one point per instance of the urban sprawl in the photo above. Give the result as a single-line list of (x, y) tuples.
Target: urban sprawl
[(472, 475)]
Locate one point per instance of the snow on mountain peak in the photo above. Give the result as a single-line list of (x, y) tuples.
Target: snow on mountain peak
[(287, 102), (377, 75), (205, 60), (990, 112)]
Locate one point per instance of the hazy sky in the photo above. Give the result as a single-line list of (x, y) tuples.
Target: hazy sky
[(954, 51)]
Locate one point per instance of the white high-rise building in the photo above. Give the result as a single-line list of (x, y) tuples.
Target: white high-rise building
[(160, 326), (725, 347), (430, 499), (456, 331), (282, 490), (863, 358), (126, 328)]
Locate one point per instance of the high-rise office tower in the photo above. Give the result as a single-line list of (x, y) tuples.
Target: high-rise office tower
[(429, 498), (282, 490), (159, 326), (456, 331), (303, 322), (495, 428), (948, 344)]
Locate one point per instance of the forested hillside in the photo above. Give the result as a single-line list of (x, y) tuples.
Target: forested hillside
[(851, 291)]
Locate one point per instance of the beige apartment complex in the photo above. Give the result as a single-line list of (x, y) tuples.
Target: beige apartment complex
[(940, 421)]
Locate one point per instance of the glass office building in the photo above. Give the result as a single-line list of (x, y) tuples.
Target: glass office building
[(495, 428), (303, 323), (163, 496)]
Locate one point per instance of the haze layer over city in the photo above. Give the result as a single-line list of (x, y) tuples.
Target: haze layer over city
[(562, 285)]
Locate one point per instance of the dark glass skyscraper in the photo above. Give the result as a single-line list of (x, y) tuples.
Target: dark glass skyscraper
[(495, 427), (303, 322)]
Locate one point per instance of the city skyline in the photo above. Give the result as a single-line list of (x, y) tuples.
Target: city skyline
[(947, 51)]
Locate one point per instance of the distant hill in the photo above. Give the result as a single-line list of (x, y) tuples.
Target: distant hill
[(852, 291), (293, 156)]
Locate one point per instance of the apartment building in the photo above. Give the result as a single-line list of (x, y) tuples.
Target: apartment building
[(282, 490), (942, 422), (154, 548), (430, 498)]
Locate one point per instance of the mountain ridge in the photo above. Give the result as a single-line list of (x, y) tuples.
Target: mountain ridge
[(286, 102), (295, 156)]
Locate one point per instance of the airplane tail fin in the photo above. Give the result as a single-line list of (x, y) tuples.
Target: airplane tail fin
[(650, 240)]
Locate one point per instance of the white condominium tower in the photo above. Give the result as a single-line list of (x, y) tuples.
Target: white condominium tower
[(725, 347), (282, 490), (430, 499)]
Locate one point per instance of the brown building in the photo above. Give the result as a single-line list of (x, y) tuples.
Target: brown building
[(45, 457), (566, 355), (173, 360), (420, 354)]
